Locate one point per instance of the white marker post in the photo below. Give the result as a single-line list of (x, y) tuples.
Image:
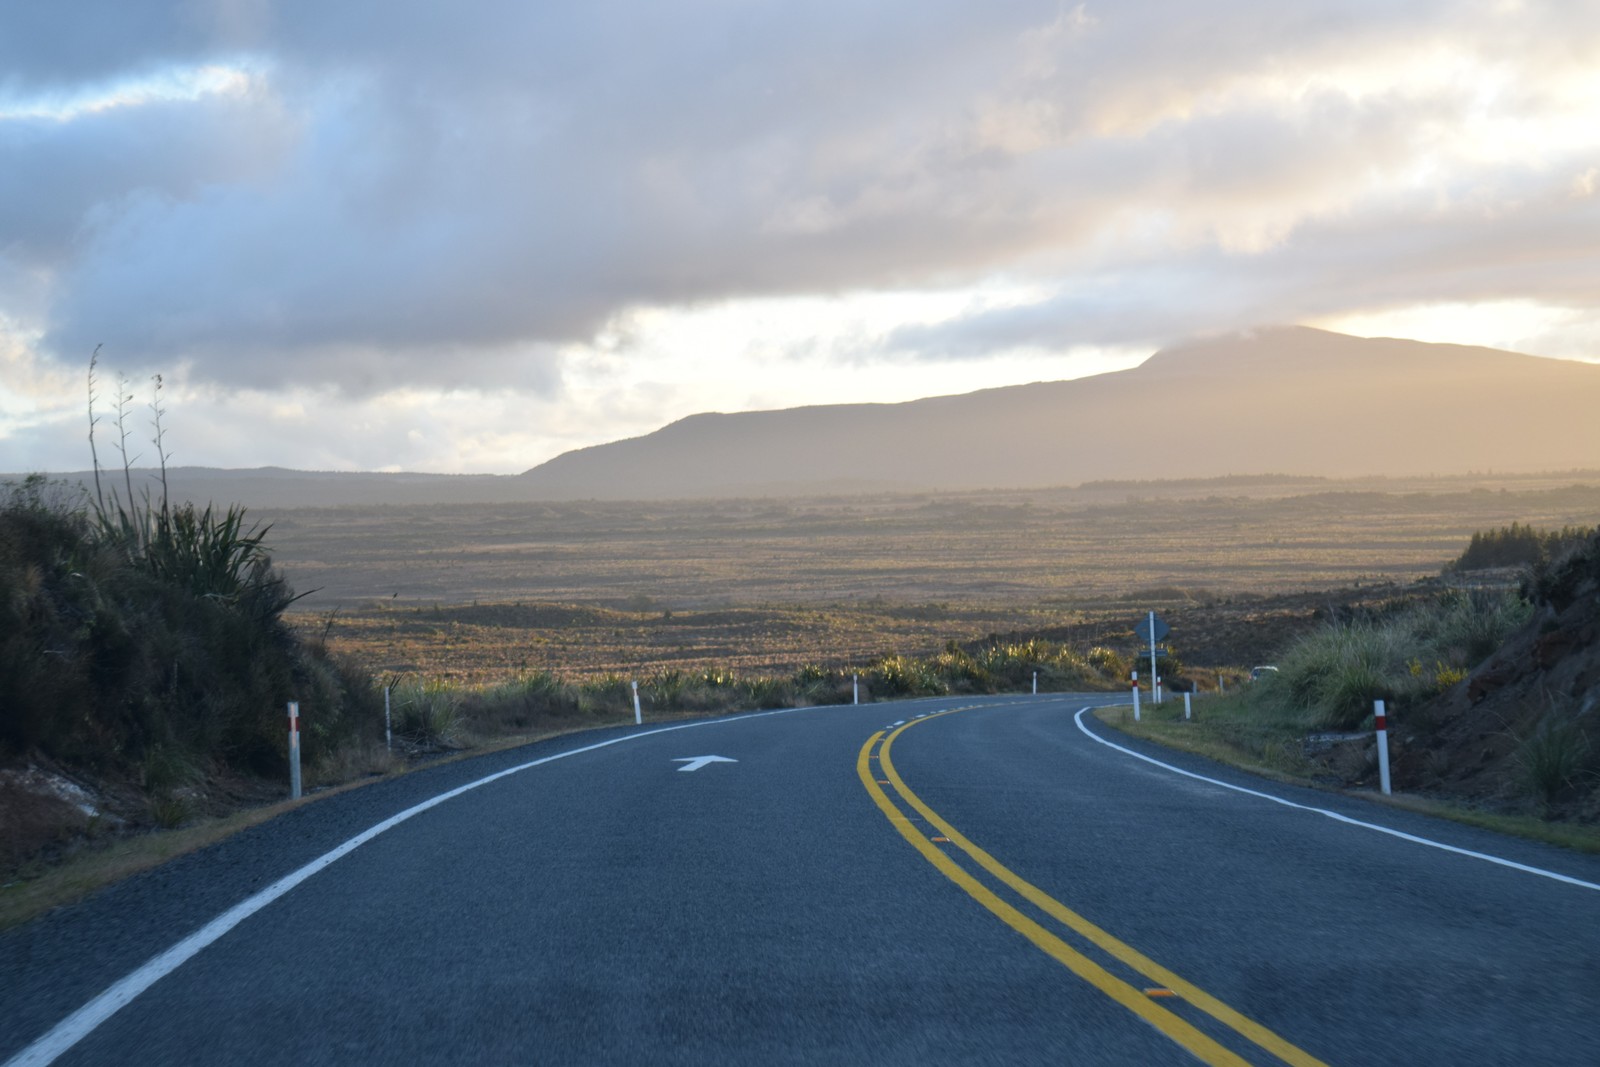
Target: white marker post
[(294, 750), (1380, 722), (1222, 687), (1158, 689), (638, 715), (1135, 696), (855, 689), (388, 728), (1035, 683), (1186, 707)]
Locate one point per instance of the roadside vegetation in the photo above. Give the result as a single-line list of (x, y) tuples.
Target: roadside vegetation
[(1491, 696), (144, 659), (435, 714)]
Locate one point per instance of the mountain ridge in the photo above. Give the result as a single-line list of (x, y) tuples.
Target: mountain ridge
[(1285, 401), (1292, 399)]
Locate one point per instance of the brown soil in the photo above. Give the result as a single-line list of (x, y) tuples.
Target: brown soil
[(1480, 740)]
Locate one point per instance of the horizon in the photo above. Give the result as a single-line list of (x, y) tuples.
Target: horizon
[(474, 244), (1207, 344)]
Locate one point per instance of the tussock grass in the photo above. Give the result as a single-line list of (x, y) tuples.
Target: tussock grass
[(1331, 678), (1554, 756)]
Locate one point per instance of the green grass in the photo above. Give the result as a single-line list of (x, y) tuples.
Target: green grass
[(1223, 729)]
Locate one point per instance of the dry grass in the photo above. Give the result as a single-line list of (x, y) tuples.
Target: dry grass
[(487, 643), (1000, 548), (479, 594)]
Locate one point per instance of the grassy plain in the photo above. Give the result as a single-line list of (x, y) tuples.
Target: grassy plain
[(479, 593)]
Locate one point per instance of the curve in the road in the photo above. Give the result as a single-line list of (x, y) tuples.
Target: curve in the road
[(1182, 1032), (1336, 816)]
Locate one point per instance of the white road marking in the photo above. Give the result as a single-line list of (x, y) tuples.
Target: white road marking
[(81, 1023), (694, 763), (1540, 871)]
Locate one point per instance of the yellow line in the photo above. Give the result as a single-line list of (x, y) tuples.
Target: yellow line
[(1183, 1033), (1253, 1031)]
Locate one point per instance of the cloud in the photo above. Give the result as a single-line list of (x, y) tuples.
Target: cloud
[(455, 196)]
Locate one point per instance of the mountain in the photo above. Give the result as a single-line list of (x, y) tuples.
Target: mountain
[(1286, 399)]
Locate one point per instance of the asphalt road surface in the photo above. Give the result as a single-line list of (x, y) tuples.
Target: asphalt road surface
[(963, 880)]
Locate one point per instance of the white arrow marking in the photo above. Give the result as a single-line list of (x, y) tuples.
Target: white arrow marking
[(694, 763)]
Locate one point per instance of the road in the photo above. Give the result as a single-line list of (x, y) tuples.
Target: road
[(963, 880)]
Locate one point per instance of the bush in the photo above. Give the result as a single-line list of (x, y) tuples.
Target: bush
[(894, 676), (1559, 581), (1108, 662), (1333, 675), (125, 635), (1553, 756), (427, 715), (609, 696), (769, 692)]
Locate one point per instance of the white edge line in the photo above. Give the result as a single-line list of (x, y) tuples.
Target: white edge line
[(1540, 871), (81, 1023)]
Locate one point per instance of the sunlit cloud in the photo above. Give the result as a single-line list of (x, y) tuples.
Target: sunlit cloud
[(1515, 325), (385, 236), (171, 85)]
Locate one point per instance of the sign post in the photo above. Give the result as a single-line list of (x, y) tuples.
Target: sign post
[(1153, 630), (1153, 673)]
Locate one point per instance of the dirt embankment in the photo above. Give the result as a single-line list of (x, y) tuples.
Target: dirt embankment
[(1522, 731)]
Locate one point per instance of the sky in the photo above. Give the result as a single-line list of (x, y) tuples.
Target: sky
[(467, 237)]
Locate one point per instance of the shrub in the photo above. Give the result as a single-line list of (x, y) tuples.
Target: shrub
[(666, 688), (960, 672), (1553, 756), (1561, 580), (520, 704), (904, 676), (764, 692), (1469, 626), (1108, 662), (427, 715), (817, 685), (133, 634), (609, 696), (1332, 676)]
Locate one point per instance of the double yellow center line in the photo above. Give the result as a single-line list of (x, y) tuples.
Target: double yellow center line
[(1174, 1026)]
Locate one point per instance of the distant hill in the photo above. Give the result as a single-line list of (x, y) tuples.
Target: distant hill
[(279, 487), (1289, 399)]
